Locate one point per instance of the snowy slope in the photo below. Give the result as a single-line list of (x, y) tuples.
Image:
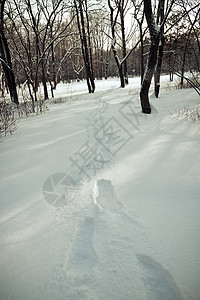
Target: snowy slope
[(99, 201)]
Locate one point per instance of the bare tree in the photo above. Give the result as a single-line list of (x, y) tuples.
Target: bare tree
[(159, 21), (183, 47), (191, 28), (5, 58), (20, 41), (84, 31), (118, 9), (122, 8), (99, 35), (155, 34), (113, 21), (139, 16)]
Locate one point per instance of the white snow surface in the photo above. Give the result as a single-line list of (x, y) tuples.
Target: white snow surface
[(99, 201)]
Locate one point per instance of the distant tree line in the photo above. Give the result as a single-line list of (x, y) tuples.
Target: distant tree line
[(48, 41)]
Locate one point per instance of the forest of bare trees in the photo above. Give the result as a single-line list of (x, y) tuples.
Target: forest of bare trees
[(45, 42)]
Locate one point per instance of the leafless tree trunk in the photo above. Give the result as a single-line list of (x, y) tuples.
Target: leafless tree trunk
[(155, 34), (122, 11), (151, 63), (160, 18), (140, 20), (6, 58), (113, 20), (85, 44)]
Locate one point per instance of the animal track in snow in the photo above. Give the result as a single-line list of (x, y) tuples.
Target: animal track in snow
[(83, 257), (157, 281), (105, 196)]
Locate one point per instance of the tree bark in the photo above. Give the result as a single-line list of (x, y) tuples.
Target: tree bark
[(144, 93), (151, 63), (125, 70), (113, 23), (90, 50), (158, 67), (160, 18), (84, 45), (44, 82), (6, 59)]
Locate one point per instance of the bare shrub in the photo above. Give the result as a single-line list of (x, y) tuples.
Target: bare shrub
[(7, 117), (189, 114), (10, 113)]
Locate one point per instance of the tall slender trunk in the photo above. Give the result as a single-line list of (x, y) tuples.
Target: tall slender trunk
[(125, 69), (151, 63), (184, 59), (121, 75), (160, 18), (113, 23), (158, 68), (84, 46), (142, 56), (152, 59), (6, 59), (7, 68), (29, 89), (119, 65), (140, 23), (90, 50), (53, 67), (44, 81)]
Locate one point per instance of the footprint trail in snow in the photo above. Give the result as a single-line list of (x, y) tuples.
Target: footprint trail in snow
[(106, 197), (158, 282), (82, 257), (103, 261)]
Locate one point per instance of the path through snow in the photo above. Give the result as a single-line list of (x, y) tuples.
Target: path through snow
[(124, 225)]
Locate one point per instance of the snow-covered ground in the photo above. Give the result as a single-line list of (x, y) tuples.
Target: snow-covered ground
[(99, 201)]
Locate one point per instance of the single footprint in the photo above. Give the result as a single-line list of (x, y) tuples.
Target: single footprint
[(106, 197), (157, 281), (82, 256)]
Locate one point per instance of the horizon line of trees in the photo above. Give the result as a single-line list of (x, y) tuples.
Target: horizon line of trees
[(49, 41)]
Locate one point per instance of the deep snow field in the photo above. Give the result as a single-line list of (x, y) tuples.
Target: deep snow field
[(101, 202)]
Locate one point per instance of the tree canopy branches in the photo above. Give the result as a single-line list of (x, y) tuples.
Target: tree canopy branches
[(47, 41)]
